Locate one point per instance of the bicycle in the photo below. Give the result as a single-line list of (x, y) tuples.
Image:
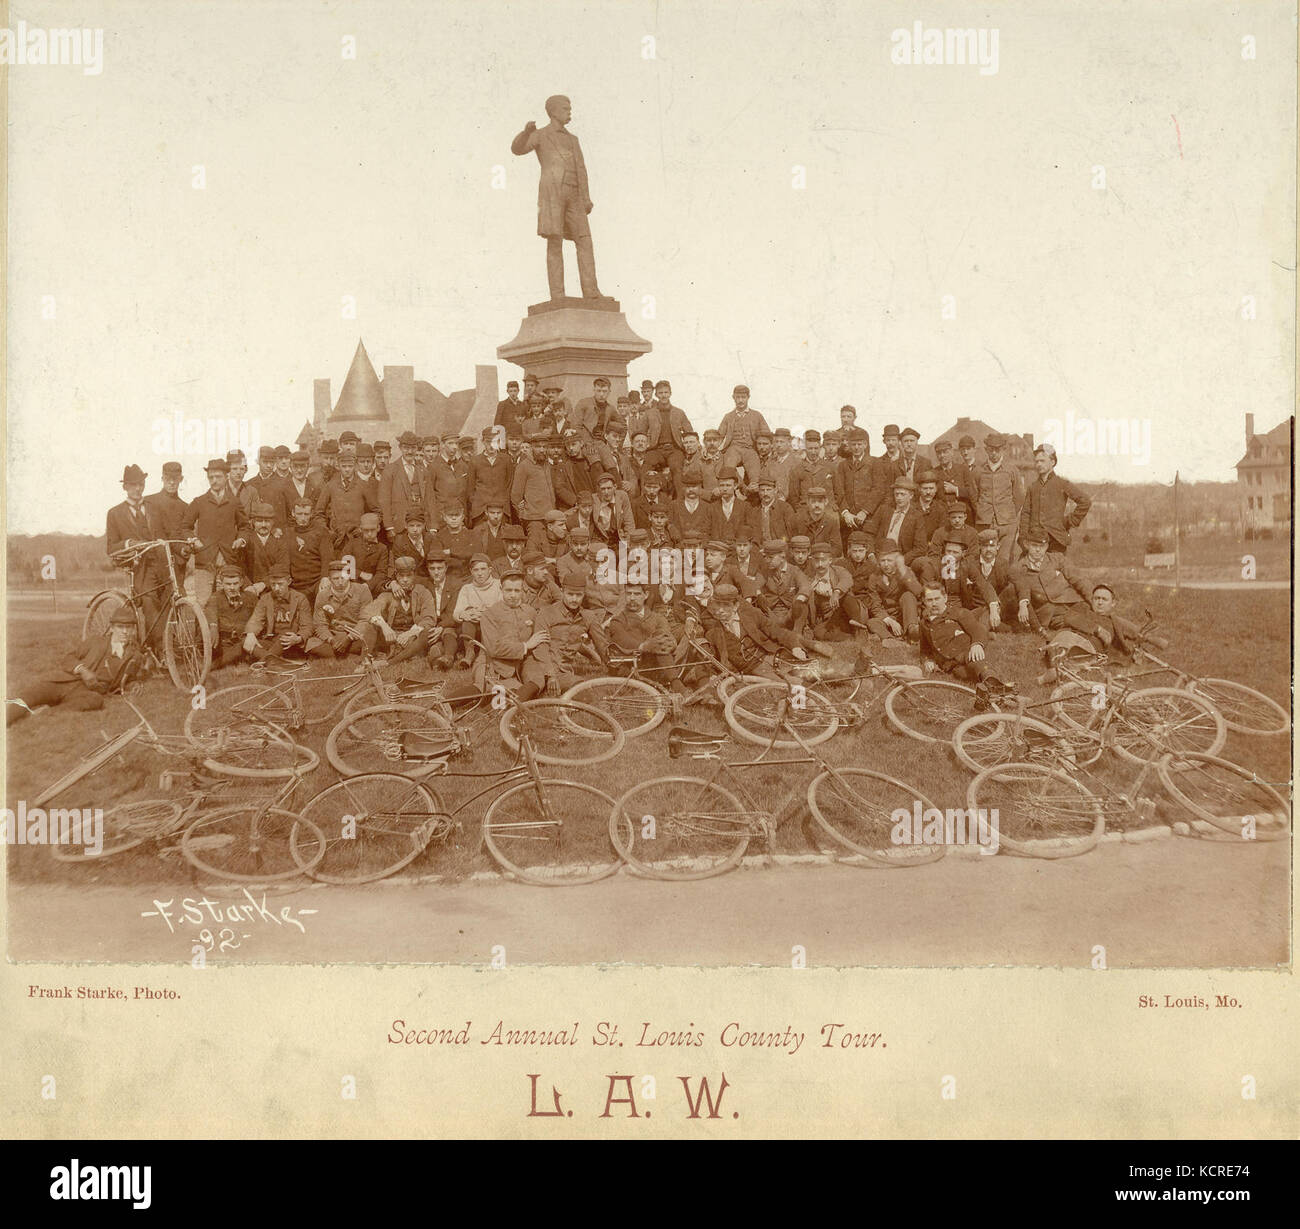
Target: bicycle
[(1181, 720), (281, 700), (260, 749), (186, 637), (248, 842), (686, 828), (926, 709), (1244, 710), (641, 703), (132, 824), (1028, 772), (546, 831)]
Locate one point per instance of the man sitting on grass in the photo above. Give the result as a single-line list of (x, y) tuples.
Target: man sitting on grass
[(101, 666), (952, 640)]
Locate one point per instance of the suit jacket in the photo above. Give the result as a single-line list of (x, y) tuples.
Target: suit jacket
[(398, 495), (216, 525), (782, 520), (260, 557), (740, 524), (123, 525), (489, 481), (908, 533), (563, 178), (1044, 508)]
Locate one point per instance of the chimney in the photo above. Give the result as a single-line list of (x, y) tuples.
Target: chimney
[(1250, 428), (399, 397), (321, 403)]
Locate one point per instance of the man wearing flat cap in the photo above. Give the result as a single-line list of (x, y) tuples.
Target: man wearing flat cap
[(811, 469), (1048, 498), (489, 477), (228, 612), (217, 528), (167, 513), (733, 517), (998, 491), (400, 615), (282, 620), (344, 500), (739, 426), (336, 613)]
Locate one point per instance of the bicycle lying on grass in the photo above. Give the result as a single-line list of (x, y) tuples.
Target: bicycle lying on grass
[(1033, 772), (686, 828), (540, 830), (256, 749)]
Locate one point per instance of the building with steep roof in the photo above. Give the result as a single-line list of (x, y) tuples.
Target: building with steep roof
[(1264, 478), (1019, 450), (382, 409)]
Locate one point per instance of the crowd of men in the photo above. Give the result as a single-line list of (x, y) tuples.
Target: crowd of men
[(494, 552)]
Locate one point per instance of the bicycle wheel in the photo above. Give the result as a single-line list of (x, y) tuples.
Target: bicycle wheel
[(405, 738), (261, 751), (252, 844), (1243, 708), (999, 738), (374, 825), (731, 683), (100, 612), (1226, 795), (753, 712), (1079, 706), (1166, 720), (125, 827), (563, 732), (187, 644), (1036, 810), (871, 814), (552, 833), (929, 710), (88, 763), (636, 705), (231, 708), (680, 828)]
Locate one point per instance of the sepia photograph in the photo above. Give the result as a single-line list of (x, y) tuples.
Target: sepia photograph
[(690, 488)]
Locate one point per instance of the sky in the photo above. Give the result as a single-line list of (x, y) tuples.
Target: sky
[(776, 201)]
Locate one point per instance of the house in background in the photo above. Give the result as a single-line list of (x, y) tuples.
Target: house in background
[(1019, 450), (378, 409), (1264, 478)]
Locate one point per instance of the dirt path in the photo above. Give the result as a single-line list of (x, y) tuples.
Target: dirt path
[(1174, 903)]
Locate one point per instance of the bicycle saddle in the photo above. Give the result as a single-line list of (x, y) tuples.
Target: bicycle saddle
[(681, 738)]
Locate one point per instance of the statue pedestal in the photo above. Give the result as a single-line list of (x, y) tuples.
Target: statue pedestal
[(571, 341)]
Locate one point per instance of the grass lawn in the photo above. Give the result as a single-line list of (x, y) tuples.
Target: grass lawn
[(1234, 634)]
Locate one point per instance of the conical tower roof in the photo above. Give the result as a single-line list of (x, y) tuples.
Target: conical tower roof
[(362, 398)]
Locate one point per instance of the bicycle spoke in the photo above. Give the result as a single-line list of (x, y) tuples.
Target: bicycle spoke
[(681, 828), (553, 833)]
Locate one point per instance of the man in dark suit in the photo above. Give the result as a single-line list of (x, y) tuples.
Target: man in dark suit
[(402, 486), (100, 666), (732, 516)]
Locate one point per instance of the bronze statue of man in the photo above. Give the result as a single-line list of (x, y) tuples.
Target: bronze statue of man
[(563, 200)]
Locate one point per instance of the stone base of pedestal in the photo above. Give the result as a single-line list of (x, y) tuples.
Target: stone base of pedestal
[(570, 342)]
